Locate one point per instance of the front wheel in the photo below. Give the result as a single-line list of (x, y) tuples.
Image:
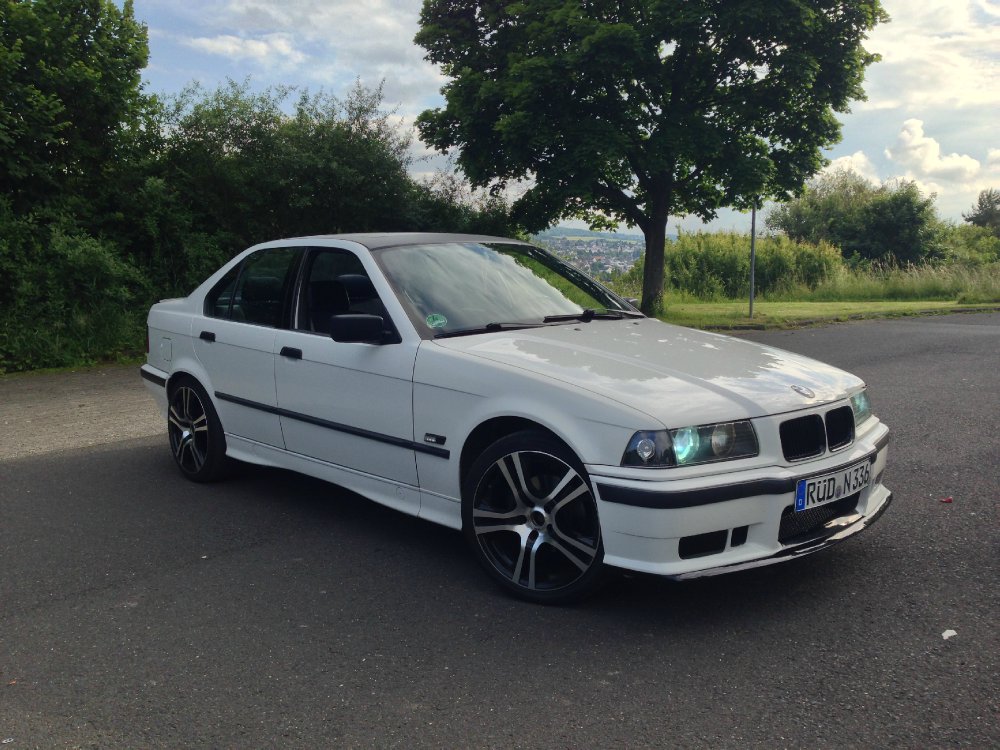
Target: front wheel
[(531, 518), (196, 438)]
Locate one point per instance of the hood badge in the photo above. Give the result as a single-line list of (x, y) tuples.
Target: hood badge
[(803, 391)]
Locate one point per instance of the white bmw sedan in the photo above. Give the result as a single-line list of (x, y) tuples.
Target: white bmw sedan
[(483, 384)]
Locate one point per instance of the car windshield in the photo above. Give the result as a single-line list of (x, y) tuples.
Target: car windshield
[(470, 287)]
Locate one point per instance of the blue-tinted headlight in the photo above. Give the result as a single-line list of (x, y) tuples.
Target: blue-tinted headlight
[(686, 446), (861, 405)]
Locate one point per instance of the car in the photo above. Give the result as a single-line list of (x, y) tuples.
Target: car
[(482, 383)]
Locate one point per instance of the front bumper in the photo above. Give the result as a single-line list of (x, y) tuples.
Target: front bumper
[(723, 522)]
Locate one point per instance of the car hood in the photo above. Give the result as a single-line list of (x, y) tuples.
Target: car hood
[(677, 375)]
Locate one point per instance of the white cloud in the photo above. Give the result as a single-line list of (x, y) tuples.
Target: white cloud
[(343, 42), (922, 155), (936, 52), (857, 162), (940, 67), (270, 49)]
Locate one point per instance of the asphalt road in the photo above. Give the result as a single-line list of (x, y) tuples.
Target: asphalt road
[(139, 610)]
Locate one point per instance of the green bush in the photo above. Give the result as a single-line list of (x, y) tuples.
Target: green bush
[(888, 223), (717, 265), (969, 244), (68, 298)]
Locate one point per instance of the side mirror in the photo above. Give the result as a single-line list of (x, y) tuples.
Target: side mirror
[(354, 328), (634, 301)]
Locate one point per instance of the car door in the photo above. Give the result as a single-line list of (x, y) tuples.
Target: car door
[(348, 404), (234, 340)]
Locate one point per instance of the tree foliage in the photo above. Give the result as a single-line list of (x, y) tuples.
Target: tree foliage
[(632, 111), (986, 212), (69, 92), (198, 179), (891, 223)]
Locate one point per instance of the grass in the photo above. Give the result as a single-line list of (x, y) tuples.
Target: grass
[(965, 284), (734, 315)]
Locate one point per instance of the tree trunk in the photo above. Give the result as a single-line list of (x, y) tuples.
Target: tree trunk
[(655, 232)]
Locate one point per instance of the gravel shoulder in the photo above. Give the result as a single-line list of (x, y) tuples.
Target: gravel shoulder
[(46, 412)]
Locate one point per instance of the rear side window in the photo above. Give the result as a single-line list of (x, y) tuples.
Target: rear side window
[(220, 299), (260, 290)]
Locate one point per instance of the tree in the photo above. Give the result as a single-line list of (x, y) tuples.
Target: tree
[(238, 166), (891, 223), (986, 212), (69, 88), (635, 110)]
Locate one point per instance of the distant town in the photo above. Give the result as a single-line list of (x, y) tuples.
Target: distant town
[(596, 253)]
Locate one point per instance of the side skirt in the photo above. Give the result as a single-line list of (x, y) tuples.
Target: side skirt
[(400, 497)]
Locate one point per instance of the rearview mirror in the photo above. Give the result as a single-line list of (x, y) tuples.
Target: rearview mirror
[(355, 328)]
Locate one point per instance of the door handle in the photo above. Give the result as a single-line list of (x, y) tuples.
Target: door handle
[(290, 352), (207, 336)]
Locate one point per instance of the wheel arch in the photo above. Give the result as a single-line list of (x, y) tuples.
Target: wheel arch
[(189, 367), (493, 429)]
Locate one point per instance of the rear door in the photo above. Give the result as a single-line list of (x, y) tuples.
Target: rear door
[(234, 340)]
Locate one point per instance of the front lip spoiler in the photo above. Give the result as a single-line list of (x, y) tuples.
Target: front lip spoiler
[(834, 531)]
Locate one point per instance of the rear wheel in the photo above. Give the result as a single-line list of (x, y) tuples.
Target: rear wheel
[(196, 438), (530, 516)]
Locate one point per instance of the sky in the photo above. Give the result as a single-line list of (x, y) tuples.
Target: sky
[(932, 114)]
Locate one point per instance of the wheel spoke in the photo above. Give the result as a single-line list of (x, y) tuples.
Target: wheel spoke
[(551, 541), (584, 548), (571, 496), (567, 478), (480, 530), (186, 398), (173, 419), (523, 546), (184, 449), (505, 472), (534, 567), (197, 455), (505, 516)]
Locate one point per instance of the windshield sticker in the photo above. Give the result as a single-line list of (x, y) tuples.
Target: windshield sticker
[(436, 320)]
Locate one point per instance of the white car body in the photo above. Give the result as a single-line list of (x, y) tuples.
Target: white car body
[(400, 423)]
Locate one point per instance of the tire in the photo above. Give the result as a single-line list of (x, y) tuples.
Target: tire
[(529, 514), (197, 441)]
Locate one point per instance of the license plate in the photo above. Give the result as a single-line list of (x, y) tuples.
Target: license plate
[(815, 491)]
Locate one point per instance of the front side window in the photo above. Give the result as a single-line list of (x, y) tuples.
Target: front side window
[(335, 282)]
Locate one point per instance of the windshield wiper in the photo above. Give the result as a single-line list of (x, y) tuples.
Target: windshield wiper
[(488, 328), (586, 316)]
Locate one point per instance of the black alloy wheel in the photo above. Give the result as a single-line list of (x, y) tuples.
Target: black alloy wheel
[(531, 518), (196, 438)]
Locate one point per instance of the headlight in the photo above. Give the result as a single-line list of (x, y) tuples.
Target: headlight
[(685, 446), (861, 406)]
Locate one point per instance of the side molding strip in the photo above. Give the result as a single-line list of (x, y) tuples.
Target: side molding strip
[(337, 426), (162, 382)]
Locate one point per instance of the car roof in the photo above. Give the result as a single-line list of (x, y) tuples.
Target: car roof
[(377, 240)]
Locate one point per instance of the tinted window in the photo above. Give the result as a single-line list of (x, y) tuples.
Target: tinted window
[(258, 290), (220, 299), (336, 282)]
